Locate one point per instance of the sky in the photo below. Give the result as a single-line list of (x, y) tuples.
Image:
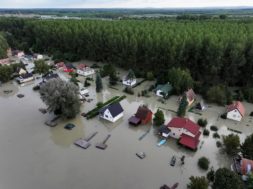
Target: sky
[(122, 3)]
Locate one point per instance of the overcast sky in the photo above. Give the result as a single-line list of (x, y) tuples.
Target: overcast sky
[(121, 3)]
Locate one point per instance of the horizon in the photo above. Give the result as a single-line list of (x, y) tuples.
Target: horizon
[(124, 4)]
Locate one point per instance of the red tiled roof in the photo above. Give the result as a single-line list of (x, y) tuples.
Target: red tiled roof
[(236, 105), (81, 66), (185, 123), (190, 142), (190, 95), (142, 112), (244, 166)]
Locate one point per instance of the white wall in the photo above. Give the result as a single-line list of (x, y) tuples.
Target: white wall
[(107, 116), (176, 132), (85, 72), (234, 115), (129, 82), (159, 93)]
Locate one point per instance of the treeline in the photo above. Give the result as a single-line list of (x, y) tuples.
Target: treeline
[(215, 52), (3, 47)]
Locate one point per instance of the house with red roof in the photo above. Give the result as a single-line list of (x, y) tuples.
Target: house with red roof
[(236, 111), (84, 70), (142, 116), (242, 166), (190, 95), (186, 131)]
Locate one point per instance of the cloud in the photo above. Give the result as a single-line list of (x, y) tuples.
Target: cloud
[(120, 3)]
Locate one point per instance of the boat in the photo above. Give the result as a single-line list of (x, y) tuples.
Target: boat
[(163, 141), (173, 161)]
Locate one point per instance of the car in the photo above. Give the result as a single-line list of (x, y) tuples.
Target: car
[(173, 161)]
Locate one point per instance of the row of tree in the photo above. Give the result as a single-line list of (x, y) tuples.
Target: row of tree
[(218, 51), (3, 46)]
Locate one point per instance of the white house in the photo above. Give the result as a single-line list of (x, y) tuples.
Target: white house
[(183, 129), (235, 111), (112, 112), (82, 93), (25, 78), (129, 79), (29, 65), (129, 82), (84, 70)]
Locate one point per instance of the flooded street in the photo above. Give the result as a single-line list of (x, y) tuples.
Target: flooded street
[(34, 155)]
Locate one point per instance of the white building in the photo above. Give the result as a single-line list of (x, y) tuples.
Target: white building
[(236, 111), (129, 82), (25, 78), (84, 70), (112, 112)]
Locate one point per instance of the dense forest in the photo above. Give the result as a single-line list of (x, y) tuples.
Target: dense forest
[(3, 46), (214, 51)]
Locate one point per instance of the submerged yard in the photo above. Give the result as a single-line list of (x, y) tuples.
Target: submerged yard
[(36, 156)]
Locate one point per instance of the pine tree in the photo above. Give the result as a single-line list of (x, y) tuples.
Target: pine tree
[(159, 118), (99, 84), (182, 106)]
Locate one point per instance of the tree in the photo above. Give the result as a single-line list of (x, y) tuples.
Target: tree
[(99, 84), (227, 179), (61, 97), (198, 183), (217, 94), (150, 76), (3, 47), (210, 175), (231, 143), (159, 118), (41, 67), (182, 106), (247, 147), (250, 181), (180, 79), (113, 78), (203, 163), (5, 73)]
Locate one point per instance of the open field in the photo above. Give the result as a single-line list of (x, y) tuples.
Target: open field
[(36, 156)]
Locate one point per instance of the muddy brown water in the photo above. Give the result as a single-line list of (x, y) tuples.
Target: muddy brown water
[(34, 156)]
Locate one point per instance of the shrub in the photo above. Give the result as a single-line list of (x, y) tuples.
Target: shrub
[(210, 175), (224, 116), (203, 163), (159, 118), (206, 132), (216, 135), (231, 144), (95, 66), (99, 104), (202, 122), (218, 144), (129, 90), (214, 128)]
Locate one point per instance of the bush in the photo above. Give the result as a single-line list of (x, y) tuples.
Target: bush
[(210, 175), (216, 135), (202, 122), (129, 90), (86, 83), (150, 76), (203, 163), (231, 144), (214, 128), (224, 116), (159, 118), (95, 66), (206, 132), (99, 104), (218, 144)]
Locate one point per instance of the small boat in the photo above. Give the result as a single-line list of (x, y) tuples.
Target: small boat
[(163, 141), (173, 161), (141, 155)]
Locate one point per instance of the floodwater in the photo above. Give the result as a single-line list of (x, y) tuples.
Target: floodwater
[(35, 156)]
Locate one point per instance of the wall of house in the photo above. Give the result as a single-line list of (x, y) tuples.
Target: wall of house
[(159, 93), (176, 132), (129, 82), (107, 115), (117, 117), (234, 115), (85, 72), (148, 118)]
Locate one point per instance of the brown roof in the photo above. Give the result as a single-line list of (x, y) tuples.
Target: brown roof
[(237, 105), (142, 112), (190, 94), (246, 165)]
